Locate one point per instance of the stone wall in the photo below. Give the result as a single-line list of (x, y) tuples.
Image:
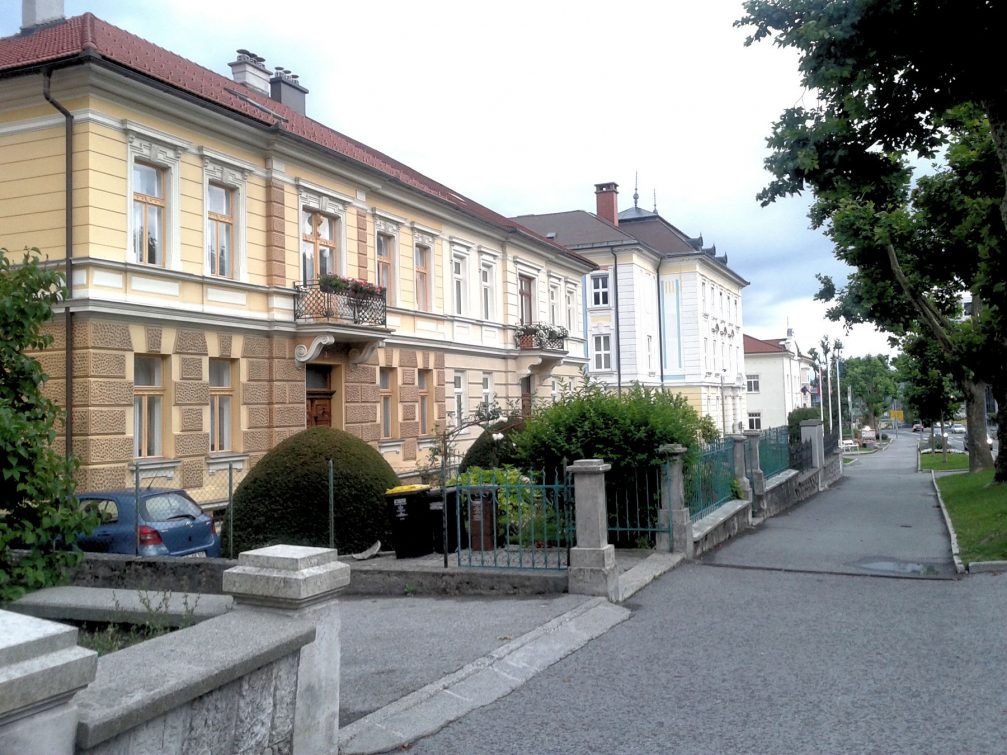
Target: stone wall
[(789, 488), (205, 696), (833, 469), (115, 571)]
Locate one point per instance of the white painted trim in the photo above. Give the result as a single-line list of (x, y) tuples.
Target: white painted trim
[(304, 354), (154, 286), (106, 279), (165, 152), (274, 301), (226, 297)]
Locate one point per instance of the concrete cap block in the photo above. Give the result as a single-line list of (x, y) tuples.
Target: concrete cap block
[(589, 465), (671, 449), (593, 558), (288, 557), (811, 422), (41, 664), (751, 433)]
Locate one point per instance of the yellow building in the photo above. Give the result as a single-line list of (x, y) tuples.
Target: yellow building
[(240, 271)]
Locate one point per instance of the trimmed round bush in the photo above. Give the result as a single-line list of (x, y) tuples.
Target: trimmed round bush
[(489, 453), (284, 499)]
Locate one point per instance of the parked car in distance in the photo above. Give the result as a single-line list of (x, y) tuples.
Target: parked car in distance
[(957, 429), (917, 428), (166, 522)]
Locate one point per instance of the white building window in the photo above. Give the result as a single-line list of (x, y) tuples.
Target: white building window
[(458, 263), (458, 399), (487, 390), (153, 193), (422, 266), (224, 192), (603, 352), (571, 309), (599, 290), (320, 247), (385, 244), (554, 316), (650, 354), (755, 420), (753, 383), (387, 390), (148, 401), (486, 290), (221, 404)]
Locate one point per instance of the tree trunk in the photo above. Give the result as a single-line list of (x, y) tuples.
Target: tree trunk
[(1000, 396), (980, 456)]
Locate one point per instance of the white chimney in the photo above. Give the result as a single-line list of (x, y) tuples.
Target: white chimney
[(249, 69), (38, 12)]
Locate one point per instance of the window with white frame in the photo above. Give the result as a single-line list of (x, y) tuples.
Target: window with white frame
[(753, 383), (487, 390), (650, 353), (554, 391), (486, 289), (320, 249), (458, 288), (422, 262), (603, 352), (221, 404), (599, 290), (386, 265), (458, 398), (220, 230), (554, 316), (571, 309), (148, 403), (153, 196), (425, 384), (755, 420), (387, 389)]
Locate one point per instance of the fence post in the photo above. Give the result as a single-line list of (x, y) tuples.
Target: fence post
[(740, 473), (592, 559), (663, 541), (673, 490), (814, 430), (303, 583), (758, 478)]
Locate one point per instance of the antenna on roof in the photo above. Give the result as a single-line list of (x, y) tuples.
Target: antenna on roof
[(655, 201), (636, 189)]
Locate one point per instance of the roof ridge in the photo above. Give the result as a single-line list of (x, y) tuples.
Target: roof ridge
[(87, 33)]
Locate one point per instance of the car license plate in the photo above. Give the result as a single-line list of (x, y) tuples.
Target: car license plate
[(200, 554)]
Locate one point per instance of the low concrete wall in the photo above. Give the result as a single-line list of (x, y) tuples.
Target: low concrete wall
[(188, 691), (721, 525), (833, 469), (197, 575), (788, 488)]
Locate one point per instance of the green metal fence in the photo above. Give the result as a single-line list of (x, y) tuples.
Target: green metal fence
[(774, 450), (507, 520), (708, 483), (633, 499)]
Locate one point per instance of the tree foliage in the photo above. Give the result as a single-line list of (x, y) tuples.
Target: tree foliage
[(888, 91), (928, 390), (871, 380), (40, 516)]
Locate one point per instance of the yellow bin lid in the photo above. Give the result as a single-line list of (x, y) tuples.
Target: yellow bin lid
[(406, 489)]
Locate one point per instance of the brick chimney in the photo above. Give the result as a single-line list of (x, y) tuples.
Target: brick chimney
[(607, 197)]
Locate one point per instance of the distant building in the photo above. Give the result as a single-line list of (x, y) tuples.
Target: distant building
[(661, 310), (777, 380)]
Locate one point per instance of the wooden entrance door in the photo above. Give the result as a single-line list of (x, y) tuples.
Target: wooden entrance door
[(319, 411), (319, 393)]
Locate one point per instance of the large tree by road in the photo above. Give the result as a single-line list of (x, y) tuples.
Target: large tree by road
[(890, 89)]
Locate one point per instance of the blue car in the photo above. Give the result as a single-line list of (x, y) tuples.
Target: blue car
[(166, 522)]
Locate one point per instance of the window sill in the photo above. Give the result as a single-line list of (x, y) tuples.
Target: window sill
[(219, 462), (151, 469), (390, 446)]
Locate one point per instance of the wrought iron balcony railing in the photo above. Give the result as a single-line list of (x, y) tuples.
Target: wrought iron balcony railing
[(540, 342), (312, 303)]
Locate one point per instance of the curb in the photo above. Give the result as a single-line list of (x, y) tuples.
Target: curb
[(989, 567), (641, 575), (955, 553), (479, 683)]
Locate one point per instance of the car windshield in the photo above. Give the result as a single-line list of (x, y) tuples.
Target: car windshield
[(163, 507)]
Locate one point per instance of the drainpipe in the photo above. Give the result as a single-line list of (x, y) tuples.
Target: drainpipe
[(68, 224), (618, 344), (660, 321)]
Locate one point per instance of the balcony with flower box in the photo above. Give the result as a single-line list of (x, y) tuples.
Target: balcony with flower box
[(542, 347), (339, 310)]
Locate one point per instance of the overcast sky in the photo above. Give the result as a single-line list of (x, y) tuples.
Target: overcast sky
[(524, 106)]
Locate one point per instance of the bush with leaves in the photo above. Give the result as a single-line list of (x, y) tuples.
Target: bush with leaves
[(284, 499), (494, 447), (592, 422), (39, 516)]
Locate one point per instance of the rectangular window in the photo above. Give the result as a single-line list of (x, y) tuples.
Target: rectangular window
[(387, 387), (650, 353), (458, 402), (599, 290), (554, 305), (319, 245), (554, 393), (422, 262), (149, 211), (220, 230), (753, 383), (487, 390), (221, 404), (526, 292), (486, 284), (602, 352), (571, 312), (425, 383), (386, 251), (148, 400), (458, 283), (755, 420)]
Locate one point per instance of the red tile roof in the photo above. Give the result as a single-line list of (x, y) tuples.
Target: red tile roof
[(87, 34), (758, 346)]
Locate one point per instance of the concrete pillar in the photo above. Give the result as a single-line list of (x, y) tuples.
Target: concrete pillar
[(303, 583), (673, 491), (758, 478), (592, 559), (814, 430), (41, 669), (740, 472)]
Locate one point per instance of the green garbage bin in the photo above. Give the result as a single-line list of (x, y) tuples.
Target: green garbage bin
[(408, 508)]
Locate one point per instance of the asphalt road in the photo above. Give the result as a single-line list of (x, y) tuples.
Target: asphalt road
[(765, 648)]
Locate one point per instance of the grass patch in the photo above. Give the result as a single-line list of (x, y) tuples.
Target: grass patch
[(978, 510), (937, 463), (107, 638)]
